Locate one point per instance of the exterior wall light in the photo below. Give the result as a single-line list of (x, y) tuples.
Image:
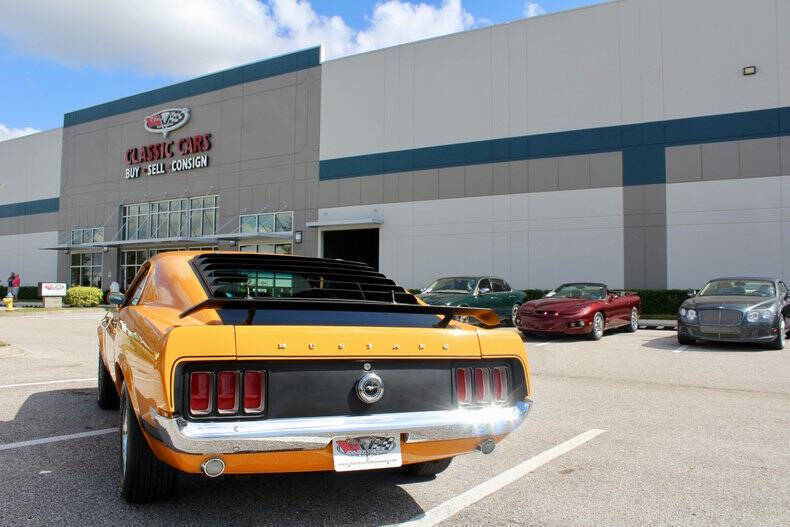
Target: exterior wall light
[(749, 70), (298, 237)]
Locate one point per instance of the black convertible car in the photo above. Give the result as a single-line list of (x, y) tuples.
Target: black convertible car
[(736, 310)]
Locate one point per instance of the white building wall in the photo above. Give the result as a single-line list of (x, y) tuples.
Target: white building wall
[(615, 63), (738, 227), (30, 167), (534, 240), (21, 253)]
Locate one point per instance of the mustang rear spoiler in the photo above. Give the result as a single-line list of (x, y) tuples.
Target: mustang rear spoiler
[(487, 317)]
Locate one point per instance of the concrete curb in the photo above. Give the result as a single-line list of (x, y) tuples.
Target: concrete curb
[(669, 325)]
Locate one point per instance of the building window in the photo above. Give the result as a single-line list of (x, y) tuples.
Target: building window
[(265, 223), (170, 218), (86, 269), (87, 235), (131, 261), (276, 248)]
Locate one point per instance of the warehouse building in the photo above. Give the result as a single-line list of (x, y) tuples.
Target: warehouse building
[(642, 143)]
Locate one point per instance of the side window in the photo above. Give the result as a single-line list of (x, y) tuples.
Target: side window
[(782, 289), (484, 284), (138, 291), (498, 286), (507, 286)]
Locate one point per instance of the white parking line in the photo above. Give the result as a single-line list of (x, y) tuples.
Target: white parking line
[(55, 439), (454, 505), (680, 349), (46, 382)]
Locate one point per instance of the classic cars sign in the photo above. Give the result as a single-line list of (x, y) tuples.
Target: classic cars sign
[(161, 158)]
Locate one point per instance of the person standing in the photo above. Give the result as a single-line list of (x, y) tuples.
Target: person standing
[(10, 283), (15, 282)]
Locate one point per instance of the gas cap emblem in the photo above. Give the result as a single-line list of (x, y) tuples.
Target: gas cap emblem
[(370, 388)]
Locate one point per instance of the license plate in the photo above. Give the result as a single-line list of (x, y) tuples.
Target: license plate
[(366, 453)]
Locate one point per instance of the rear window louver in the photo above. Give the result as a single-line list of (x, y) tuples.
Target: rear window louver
[(246, 275)]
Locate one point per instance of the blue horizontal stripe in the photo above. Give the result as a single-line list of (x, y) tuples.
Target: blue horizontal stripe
[(26, 208), (642, 146), (299, 60)]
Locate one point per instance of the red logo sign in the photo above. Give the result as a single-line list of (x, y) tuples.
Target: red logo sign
[(165, 121)]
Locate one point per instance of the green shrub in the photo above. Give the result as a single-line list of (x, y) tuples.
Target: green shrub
[(661, 301), (27, 292), (83, 296)]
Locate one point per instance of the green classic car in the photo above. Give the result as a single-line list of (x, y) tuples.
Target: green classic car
[(475, 291)]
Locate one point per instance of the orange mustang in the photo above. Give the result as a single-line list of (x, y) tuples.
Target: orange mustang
[(242, 363)]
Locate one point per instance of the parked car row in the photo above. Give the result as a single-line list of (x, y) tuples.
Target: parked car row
[(572, 309)]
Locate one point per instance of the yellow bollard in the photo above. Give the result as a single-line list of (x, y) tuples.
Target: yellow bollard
[(9, 303)]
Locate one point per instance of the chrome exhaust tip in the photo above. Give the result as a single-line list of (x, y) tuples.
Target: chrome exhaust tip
[(487, 446), (213, 467)]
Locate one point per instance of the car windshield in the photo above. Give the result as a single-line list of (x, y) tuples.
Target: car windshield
[(587, 291), (458, 284), (739, 288)]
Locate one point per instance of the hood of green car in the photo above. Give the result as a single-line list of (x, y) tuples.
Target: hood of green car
[(443, 299)]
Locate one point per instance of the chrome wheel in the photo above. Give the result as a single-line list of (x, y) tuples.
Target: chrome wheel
[(634, 319), (514, 313), (597, 329)]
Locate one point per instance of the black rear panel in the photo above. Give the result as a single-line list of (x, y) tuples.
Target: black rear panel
[(327, 388)]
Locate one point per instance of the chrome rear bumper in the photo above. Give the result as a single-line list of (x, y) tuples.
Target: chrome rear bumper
[(315, 433)]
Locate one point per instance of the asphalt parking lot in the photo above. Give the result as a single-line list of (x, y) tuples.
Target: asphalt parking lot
[(632, 429)]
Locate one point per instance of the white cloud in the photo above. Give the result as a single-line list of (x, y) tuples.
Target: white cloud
[(11, 133), (189, 37), (533, 9)]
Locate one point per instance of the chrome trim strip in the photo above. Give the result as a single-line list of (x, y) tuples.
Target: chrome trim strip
[(315, 433)]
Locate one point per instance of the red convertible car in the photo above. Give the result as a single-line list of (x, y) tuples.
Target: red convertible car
[(580, 309)]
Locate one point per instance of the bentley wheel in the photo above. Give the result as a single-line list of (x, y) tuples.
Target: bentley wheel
[(514, 314), (597, 327), (107, 397), (143, 477), (634, 323), (779, 342), (685, 341), (429, 468)]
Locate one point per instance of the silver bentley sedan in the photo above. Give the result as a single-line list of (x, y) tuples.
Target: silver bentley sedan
[(736, 310)]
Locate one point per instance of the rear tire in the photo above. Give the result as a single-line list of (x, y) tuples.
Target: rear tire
[(685, 341), (779, 342), (107, 397), (143, 477), (596, 333), (429, 468)]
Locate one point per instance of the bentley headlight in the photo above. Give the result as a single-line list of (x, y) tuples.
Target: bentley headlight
[(757, 315), (691, 314), (682, 311)]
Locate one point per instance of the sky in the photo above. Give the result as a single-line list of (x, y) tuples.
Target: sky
[(57, 57)]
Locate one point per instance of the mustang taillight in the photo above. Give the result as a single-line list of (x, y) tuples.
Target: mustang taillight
[(253, 391), (200, 392), (227, 392), (463, 383), (482, 385), (500, 384)]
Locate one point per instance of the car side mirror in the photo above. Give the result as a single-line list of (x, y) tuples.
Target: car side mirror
[(484, 291), (116, 299), (691, 292)]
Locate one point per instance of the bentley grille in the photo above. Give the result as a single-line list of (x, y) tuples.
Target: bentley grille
[(720, 317)]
